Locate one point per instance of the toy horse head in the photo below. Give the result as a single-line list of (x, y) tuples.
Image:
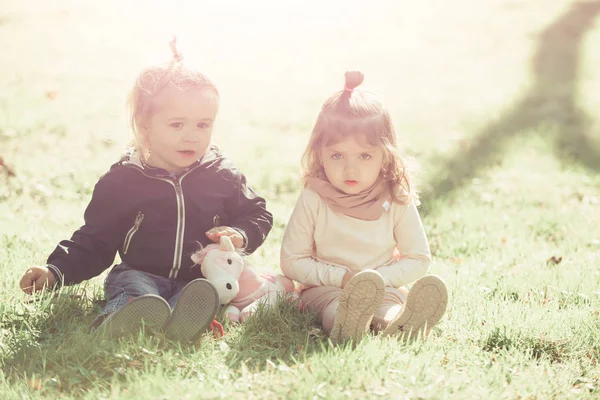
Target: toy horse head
[(222, 266)]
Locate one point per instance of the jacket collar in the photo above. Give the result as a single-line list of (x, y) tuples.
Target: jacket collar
[(132, 158)]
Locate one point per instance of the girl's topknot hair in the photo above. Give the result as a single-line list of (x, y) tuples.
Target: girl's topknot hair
[(361, 114), (353, 79)]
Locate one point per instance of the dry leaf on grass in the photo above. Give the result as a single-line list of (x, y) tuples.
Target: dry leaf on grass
[(8, 169), (554, 260)]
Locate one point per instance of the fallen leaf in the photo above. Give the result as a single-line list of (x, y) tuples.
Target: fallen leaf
[(8, 169), (36, 384), (315, 332), (554, 260), (135, 364)]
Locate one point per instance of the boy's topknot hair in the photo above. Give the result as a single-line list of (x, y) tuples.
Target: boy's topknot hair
[(177, 56), (153, 79)]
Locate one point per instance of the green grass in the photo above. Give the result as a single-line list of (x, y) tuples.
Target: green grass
[(498, 101)]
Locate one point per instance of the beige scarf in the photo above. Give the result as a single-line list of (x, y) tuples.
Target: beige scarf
[(370, 204)]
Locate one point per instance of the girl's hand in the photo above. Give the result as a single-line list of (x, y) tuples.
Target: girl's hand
[(36, 279), (236, 237), (347, 276)]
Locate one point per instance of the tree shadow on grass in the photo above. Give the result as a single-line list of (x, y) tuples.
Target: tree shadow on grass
[(550, 105)]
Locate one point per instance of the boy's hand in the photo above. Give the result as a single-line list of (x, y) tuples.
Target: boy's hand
[(236, 237), (36, 279)]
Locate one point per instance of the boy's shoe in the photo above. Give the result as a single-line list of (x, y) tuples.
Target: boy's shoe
[(149, 311), (194, 311), (425, 305), (359, 300)]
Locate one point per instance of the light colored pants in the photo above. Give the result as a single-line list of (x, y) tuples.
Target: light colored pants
[(325, 299)]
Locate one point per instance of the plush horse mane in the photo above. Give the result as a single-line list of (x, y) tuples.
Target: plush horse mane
[(199, 254)]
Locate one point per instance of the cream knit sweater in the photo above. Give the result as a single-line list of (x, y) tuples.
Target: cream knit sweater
[(320, 245)]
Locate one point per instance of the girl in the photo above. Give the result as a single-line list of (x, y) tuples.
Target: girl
[(355, 237), (171, 191)]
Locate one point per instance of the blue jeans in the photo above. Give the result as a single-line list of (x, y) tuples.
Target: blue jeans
[(124, 283)]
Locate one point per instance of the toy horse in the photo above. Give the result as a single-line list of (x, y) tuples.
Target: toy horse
[(238, 284)]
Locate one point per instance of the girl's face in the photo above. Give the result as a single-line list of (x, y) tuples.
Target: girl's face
[(179, 130), (352, 165)]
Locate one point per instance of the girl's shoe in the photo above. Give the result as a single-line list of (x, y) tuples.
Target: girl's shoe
[(425, 305), (147, 311), (359, 300), (194, 311)]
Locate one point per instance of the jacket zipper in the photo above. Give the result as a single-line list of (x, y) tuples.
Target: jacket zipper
[(178, 252), (180, 228), (136, 225)]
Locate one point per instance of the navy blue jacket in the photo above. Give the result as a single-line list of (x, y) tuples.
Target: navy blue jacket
[(156, 220)]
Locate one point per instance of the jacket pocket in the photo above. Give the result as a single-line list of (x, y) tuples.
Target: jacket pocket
[(136, 225)]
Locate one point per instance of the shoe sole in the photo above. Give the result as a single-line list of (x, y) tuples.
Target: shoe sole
[(425, 305), (149, 311), (194, 311), (359, 300)]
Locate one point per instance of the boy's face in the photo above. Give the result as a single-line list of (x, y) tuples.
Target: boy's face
[(350, 165), (180, 128)]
